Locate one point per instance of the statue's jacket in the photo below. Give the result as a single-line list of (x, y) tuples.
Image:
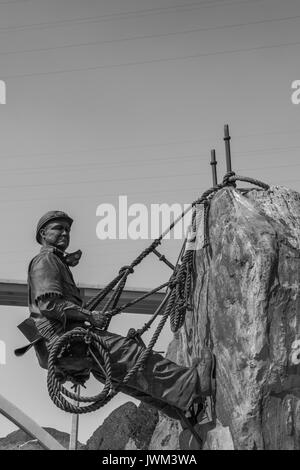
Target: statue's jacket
[(51, 291)]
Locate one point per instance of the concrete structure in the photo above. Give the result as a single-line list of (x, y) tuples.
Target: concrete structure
[(20, 419), (14, 293)]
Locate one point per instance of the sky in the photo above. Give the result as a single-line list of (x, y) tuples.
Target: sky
[(110, 98)]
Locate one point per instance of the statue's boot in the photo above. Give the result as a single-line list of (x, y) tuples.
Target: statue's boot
[(206, 368)]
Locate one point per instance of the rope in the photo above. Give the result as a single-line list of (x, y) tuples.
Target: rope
[(58, 392), (177, 300), (117, 310)]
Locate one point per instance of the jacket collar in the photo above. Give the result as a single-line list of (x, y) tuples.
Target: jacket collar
[(69, 259), (53, 249)]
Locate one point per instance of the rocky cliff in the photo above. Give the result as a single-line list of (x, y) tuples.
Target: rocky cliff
[(127, 427), (20, 440), (246, 308)]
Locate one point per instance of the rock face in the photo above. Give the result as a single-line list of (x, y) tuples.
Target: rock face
[(127, 427), (166, 434), (247, 309), (20, 440)]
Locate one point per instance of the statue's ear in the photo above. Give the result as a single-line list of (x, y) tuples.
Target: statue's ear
[(42, 232)]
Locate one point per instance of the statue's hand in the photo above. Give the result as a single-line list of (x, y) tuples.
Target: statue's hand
[(98, 319)]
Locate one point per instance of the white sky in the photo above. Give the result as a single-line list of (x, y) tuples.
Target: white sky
[(109, 98)]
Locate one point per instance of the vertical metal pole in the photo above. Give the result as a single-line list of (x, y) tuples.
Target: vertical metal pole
[(213, 163), (75, 424), (227, 148)]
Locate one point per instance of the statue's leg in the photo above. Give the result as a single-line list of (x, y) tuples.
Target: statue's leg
[(161, 383), (169, 410)]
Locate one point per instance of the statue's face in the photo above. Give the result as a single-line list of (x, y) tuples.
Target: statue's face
[(57, 234)]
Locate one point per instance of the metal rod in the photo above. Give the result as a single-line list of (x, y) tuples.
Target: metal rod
[(227, 148), (75, 423), (213, 163), (164, 259)]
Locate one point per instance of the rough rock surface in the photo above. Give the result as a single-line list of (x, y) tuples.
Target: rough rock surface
[(246, 307), (166, 434), (20, 440), (127, 427)]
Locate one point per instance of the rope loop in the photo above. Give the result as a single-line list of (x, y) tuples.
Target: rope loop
[(57, 375)]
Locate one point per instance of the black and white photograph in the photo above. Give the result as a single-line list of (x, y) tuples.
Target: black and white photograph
[(150, 228)]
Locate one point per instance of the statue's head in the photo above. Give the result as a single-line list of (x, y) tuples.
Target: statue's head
[(53, 229)]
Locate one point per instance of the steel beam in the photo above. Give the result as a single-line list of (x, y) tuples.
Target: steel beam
[(15, 294), (18, 417)]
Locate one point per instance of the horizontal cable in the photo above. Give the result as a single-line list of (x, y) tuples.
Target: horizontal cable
[(153, 61), (143, 146), (153, 36), (124, 15)]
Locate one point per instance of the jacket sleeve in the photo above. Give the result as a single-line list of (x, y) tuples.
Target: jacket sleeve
[(45, 277), (55, 308), (46, 291)]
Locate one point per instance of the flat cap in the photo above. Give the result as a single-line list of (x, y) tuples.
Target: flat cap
[(48, 217)]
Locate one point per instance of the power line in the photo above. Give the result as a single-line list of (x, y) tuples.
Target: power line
[(119, 163), (101, 180), (136, 178), (14, 1), (97, 194), (96, 163), (99, 149), (148, 145), (126, 15), (152, 61), (152, 36), (114, 194), (198, 190), (182, 190)]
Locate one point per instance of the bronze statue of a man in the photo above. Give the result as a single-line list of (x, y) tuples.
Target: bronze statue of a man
[(56, 307)]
